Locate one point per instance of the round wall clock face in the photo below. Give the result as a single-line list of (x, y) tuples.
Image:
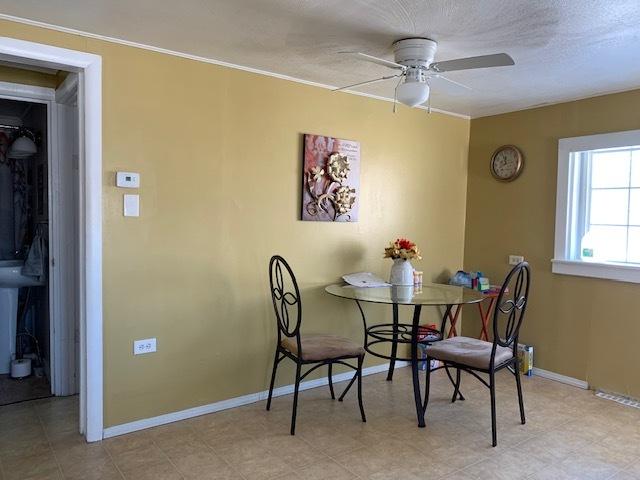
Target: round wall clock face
[(506, 163)]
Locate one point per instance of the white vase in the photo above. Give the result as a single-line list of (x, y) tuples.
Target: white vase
[(402, 293), (401, 272)]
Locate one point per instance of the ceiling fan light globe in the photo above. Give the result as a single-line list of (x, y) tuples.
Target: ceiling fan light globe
[(412, 94)]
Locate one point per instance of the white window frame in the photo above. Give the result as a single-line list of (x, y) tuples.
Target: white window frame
[(563, 262)]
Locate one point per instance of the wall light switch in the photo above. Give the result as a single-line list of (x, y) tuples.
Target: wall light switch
[(128, 180), (515, 259), (132, 205), (140, 347)]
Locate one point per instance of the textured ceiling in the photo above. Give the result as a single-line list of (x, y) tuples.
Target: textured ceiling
[(563, 49)]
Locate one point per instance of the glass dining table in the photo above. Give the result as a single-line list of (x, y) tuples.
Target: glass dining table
[(396, 333)]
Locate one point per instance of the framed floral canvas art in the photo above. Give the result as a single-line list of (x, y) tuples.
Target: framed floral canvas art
[(330, 179)]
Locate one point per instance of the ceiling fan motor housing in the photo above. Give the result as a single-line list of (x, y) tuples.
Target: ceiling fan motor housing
[(415, 52)]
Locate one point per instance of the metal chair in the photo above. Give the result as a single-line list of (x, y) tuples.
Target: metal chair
[(306, 349), (472, 355)]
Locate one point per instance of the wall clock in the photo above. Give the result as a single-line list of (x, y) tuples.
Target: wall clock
[(506, 163)]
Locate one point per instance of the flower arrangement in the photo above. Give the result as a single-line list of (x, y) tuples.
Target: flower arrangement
[(404, 249)]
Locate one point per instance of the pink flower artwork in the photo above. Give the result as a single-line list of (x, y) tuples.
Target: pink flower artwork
[(330, 179)]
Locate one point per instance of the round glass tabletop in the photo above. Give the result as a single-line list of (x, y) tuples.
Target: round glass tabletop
[(427, 294)]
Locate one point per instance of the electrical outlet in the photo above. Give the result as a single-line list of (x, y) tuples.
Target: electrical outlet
[(515, 259), (147, 345)]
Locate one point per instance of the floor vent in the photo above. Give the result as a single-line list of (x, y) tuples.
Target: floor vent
[(627, 401)]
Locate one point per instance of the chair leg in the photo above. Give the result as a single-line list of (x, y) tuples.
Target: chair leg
[(446, 369), (353, 379), (427, 385), (360, 361), (295, 399), (519, 386), (492, 389), (456, 387), (273, 379), (330, 378)]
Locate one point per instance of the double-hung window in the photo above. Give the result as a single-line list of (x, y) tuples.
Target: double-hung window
[(598, 206)]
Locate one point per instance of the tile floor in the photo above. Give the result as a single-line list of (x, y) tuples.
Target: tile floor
[(570, 434), (14, 390)]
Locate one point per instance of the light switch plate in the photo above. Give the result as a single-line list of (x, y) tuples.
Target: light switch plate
[(132, 205), (515, 259), (140, 347), (127, 179)]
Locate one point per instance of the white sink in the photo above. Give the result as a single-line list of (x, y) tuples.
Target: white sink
[(11, 275), (11, 279)]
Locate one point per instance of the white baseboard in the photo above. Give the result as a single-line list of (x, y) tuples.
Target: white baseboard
[(574, 382), (235, 402)]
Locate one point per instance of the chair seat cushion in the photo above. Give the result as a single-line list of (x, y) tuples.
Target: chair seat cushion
[(468, 351), (318, 347)]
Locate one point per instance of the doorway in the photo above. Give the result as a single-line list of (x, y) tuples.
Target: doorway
[(39, 185), (88, 68), (24, 242)]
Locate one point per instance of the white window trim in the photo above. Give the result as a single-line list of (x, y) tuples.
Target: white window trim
[(562, 261)]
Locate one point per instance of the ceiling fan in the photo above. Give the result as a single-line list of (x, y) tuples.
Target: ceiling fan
[(414, 62)]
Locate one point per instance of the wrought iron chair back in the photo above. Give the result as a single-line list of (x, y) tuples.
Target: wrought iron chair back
[(285, 294), (510, 308)]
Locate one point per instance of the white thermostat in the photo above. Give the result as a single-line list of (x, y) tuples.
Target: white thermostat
[(127, 180)]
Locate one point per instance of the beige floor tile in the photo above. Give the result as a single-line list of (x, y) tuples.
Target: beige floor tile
[(125, 443), (194, 464), (54, 475), (103, 469), (69, 453), (366, 461), (578, 466), (292, 451), (158, 471), (133, 459), (624, 476), (42, 465), (253, 459), (633, 468), (324, 469)]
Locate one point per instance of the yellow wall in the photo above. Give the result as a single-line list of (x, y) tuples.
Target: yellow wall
[(582, 327), (219, 152), (29, 77)]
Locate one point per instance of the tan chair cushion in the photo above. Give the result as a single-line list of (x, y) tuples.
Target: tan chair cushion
[(468, 351), (322, 347)]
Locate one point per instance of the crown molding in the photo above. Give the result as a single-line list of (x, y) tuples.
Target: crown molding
[(213, 61)]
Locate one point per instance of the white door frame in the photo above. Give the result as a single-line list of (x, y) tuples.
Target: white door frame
[(89, 69), (64, 237)]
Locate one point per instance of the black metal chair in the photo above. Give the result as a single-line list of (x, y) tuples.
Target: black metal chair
[(306, 349), (472, 355)]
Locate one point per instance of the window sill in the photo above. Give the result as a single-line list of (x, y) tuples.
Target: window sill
[(610, 271)]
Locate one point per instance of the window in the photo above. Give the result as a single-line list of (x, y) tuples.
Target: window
[(598, 206)]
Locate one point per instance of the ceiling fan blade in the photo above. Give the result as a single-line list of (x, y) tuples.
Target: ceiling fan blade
[(440, 77), (483, 61), (379, 61), (368, 82)]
